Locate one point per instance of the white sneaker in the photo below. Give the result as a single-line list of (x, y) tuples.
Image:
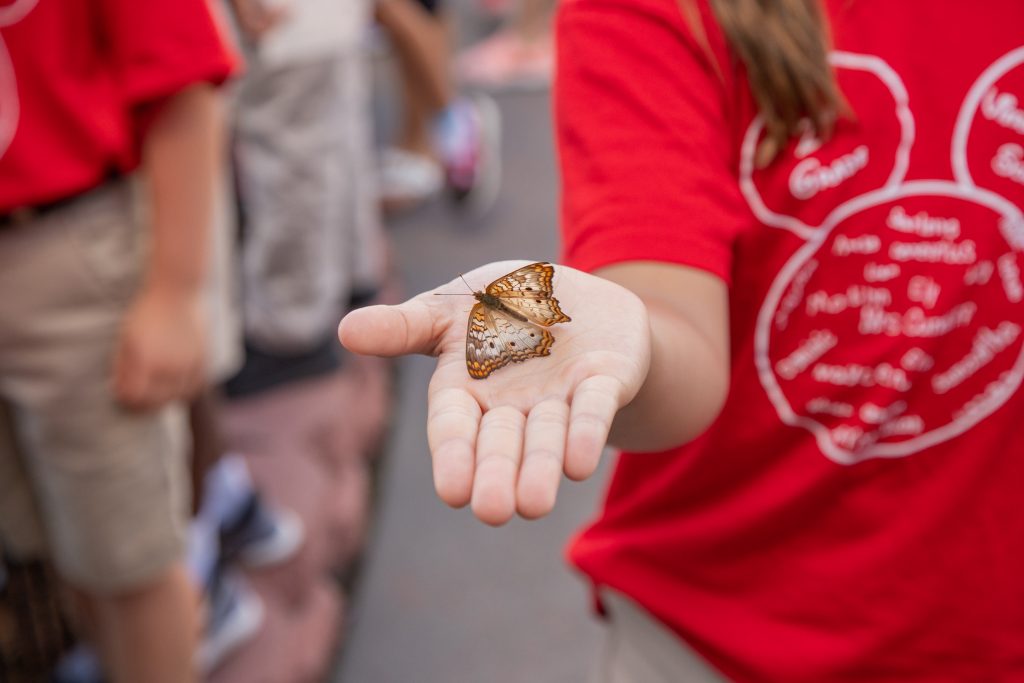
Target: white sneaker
[(234, 616), (407, 178)]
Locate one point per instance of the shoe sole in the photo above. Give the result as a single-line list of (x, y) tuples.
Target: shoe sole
[(285, 544), (243, 627), (484, 193)]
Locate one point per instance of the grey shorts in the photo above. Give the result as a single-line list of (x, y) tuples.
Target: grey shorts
[(640, 649), (102, 491)]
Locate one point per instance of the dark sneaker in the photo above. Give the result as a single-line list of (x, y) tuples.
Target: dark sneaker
[(261, 535), (78, 665)]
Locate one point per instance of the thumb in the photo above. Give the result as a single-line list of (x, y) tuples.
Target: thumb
[(411, 327)]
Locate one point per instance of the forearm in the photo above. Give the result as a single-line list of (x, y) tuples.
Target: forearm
[(182, 158), (688, 378)]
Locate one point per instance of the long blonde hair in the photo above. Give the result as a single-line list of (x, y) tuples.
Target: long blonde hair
[(784, 45)]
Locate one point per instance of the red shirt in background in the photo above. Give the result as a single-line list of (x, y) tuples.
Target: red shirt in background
[(854, 513), (73, 77)]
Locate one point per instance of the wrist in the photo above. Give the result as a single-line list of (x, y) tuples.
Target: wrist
[(180, 290)]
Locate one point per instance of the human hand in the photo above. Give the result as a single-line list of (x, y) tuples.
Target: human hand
[(502, 443), (256, 17), (161, 349)]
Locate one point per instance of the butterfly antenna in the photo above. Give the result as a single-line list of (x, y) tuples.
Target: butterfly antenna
[(467, 284)]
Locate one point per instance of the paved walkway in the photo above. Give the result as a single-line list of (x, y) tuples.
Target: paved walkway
[(444, 598)]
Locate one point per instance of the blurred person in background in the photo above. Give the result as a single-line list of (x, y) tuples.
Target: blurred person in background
[(519, 55), (234, 526), (302, 144), (793, 233), (445, 140), (102, 331), (311, 246)]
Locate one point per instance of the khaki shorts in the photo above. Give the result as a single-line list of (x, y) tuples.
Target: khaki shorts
[(312, 234), (640, 649), (101, 490)]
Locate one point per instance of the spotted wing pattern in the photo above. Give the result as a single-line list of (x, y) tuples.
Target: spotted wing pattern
[(494, 339), (528, 291)]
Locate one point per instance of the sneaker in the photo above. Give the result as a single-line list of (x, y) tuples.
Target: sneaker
[(261, 535), (234, 616), (406, 179), (78, 665), (468, 141), (505, 61)]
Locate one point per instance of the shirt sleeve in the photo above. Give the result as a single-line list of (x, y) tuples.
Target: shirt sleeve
[(160, 47), (645, 149)]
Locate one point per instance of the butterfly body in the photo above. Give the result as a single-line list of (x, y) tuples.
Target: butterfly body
[(494, 302), (507, 325)]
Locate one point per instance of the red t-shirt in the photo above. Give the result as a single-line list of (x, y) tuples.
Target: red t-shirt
[(855, 511), (74, 75)]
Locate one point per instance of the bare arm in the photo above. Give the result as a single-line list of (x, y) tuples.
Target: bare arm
[(182, 157), (162, 345), (688, 378)]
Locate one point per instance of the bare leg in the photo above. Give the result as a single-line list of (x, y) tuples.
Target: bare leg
[(533, 20), (423, 47), (150, 634), (418, 110)]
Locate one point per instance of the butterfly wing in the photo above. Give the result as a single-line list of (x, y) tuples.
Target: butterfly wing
[(528, 291), (494, 339)]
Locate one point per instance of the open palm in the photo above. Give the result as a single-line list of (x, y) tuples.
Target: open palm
[(502, 443)]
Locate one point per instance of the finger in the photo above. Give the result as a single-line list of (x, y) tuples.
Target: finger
[(192, 379), (594, 404), (159, 389), (170, 385), (161, 384), (119, 374), (197, 379), (499, 448), (276, 15), (452, 421), (130, 382), (411, 327), (184, 388), (543, 455), (253, 18)]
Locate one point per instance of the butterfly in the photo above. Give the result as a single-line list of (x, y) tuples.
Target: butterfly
[(507, 325)]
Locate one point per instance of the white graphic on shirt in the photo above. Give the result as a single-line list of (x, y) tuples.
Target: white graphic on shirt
[(1009, 162), (929, 277), (854, 171), (896, 239), (811, 177), (809, 143), (1003, 108), (10, 107), (999, 108)]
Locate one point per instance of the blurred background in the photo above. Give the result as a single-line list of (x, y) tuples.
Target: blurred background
[(407, 141)]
